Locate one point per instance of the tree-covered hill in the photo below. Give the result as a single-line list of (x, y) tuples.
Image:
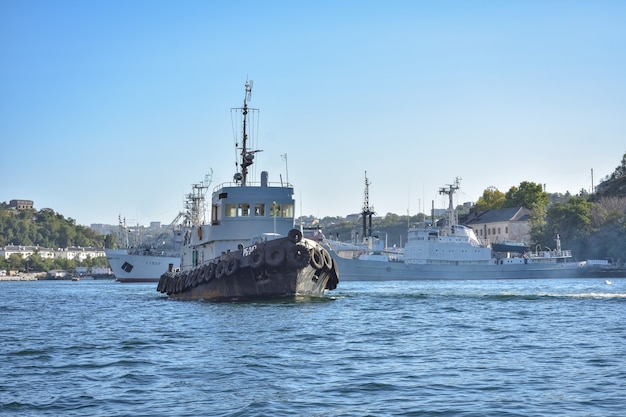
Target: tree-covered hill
[(44, 228), (47, 229), (615, 187)]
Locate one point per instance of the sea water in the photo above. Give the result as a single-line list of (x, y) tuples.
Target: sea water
[(430, 348)]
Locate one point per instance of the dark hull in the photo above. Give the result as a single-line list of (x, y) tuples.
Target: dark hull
[(103, 276), (602, 271), (509, 247), (278, 268), (131, 280)]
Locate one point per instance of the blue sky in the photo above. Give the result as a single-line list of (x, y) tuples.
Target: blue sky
[(114, 108)]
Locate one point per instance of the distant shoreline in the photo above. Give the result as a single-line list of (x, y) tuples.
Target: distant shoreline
[(24, 276)]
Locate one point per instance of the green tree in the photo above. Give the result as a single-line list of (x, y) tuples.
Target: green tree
[(16, 262), (66, 264), (538, 225), (527, 195), (38, 263), (571, 220), (110, 241), (391, 218), (67, 234), (492, 199), (607, 239)]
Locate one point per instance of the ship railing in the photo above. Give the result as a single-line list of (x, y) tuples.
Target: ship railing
[(552, 254), (253, 184)]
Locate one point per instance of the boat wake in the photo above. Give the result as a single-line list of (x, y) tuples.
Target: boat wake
[(597, 295), (547, 295)]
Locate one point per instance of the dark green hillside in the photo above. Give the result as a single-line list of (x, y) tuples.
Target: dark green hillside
[(614, 185), (44, 228), (612, 188), (48, 229)]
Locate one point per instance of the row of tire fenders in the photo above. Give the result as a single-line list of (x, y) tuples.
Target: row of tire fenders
[(274, 256)]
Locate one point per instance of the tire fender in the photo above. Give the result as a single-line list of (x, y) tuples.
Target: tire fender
[(274, 255), (209, 272), (232, 265), (328, 260), (298, 256), (219, 269), (294, 236), (317, 260), (257, 258)]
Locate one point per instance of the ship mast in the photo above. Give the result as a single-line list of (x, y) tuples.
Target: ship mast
[(195, 203), (450, 192), (123, 231), (367, 211), (247, 156)]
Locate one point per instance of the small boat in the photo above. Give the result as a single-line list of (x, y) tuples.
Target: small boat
[(55, 274), (249, 249), (510, 246), (100, 272)]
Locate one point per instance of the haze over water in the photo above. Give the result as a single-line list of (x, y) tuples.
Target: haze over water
[(453, 348)]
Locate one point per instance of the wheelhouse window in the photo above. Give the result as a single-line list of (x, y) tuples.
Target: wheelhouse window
[(244, 210), (287, 210), (230, 210), (259, 209), (275, 210)]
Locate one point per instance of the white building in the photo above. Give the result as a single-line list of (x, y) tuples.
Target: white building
[(500, 225), (75, 253)]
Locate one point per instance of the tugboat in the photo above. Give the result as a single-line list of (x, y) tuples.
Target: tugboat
[(250, 248)]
